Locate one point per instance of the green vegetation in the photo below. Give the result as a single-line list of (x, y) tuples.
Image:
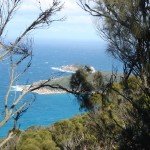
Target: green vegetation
[(118, 114), (125, 26), (37, 139), (98, 128), (67, 134), (110, 124)]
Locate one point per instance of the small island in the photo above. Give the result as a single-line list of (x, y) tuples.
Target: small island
[(72, 68)]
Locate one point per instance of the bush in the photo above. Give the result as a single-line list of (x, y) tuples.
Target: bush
[(40, 138), (29, 147)]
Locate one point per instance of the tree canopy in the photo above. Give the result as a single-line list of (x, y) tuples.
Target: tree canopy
[(125, 25)]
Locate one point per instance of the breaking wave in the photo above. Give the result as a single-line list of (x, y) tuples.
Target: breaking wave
[(18, 88), (62, 70)]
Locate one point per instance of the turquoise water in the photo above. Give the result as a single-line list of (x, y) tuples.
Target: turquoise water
[(48, 109)]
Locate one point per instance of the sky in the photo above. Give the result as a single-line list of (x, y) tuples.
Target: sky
[(78, 24)]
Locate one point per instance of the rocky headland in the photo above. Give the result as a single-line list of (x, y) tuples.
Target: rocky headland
[(62, 81)]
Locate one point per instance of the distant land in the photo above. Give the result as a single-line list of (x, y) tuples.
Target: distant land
[(72, 68), (63, 81)]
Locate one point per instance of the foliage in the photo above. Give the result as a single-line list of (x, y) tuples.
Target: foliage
[(79, 81), (39, 139), (126, 27), (67, 134), (113, 116), (106, 127), (85, 85), (74, 134)]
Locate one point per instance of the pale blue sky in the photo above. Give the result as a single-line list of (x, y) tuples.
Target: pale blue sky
[(78, 24)]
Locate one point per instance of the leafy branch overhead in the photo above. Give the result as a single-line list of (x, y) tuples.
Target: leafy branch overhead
[(125, 25)]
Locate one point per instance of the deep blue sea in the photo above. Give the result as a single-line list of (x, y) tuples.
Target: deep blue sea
[(48, 109)]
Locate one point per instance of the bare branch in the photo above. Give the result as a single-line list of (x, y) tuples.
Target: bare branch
[(10, 136), (23, 50), (44, 19), (7, 9)]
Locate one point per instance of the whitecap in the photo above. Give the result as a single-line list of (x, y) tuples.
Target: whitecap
[(19, 88), (16, 88)]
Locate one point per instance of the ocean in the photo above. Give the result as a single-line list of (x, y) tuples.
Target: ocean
[(48, 109)]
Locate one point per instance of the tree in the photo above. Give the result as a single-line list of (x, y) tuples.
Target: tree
[(126, 27), (20, 51), (85, 85)]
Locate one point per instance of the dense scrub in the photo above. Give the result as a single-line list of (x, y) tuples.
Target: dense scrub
[(67, 134)]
